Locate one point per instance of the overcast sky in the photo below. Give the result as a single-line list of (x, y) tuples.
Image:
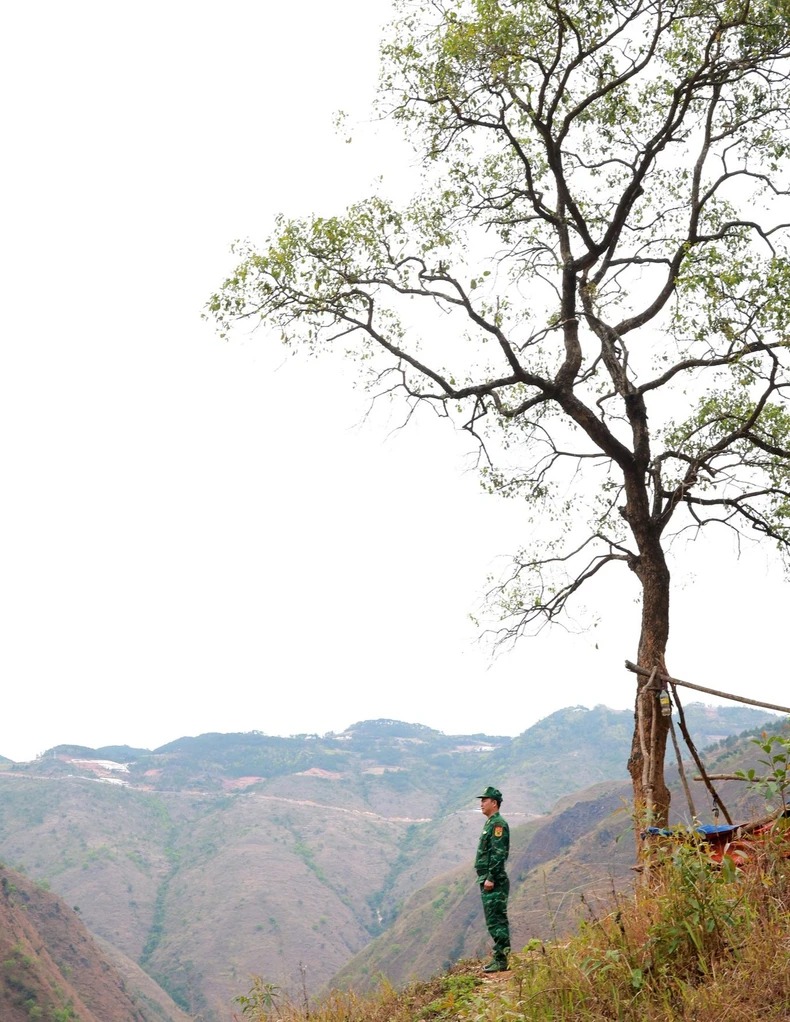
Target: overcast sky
[(199, 535)]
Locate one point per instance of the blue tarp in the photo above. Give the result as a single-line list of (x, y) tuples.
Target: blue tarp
[(708, 830)]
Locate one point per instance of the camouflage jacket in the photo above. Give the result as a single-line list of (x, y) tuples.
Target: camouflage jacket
[(492, 849)]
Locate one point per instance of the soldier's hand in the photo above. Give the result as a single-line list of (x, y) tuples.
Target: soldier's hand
[(488, 885)]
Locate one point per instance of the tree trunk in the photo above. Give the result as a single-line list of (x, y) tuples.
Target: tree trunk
[(646, 763)]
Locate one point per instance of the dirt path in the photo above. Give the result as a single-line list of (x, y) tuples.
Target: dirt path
[(253, 795)]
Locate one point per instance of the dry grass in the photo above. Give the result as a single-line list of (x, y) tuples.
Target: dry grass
[(442, 997)]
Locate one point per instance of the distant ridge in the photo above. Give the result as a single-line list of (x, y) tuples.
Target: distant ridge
[(385, 727), (708, 725), (118, 753)]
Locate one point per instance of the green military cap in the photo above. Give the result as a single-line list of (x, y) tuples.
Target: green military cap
[(491, 793)]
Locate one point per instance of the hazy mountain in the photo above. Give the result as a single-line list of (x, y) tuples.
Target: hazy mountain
[(217, 762), (52, 967), (221, 855)]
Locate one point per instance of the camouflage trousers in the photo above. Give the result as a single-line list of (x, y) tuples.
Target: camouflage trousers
[(495, 909)]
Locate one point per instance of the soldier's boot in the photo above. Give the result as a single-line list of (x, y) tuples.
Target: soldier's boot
[(497, 964)]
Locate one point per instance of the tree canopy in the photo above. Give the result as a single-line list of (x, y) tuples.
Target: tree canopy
[(593, 280)]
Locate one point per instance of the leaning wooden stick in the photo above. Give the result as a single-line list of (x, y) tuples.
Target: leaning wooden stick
[(693, 750)]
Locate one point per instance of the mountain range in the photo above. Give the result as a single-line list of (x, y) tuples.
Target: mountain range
[(218, 856)]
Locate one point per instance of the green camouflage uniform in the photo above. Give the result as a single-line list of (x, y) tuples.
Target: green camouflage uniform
[(492, 852)]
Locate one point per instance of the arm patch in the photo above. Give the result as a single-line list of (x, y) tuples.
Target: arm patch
[(498, 832)]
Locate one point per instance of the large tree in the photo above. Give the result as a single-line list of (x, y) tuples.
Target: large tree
[(603, 227)]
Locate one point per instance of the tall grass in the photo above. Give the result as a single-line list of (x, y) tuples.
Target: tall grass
[(696, 941)]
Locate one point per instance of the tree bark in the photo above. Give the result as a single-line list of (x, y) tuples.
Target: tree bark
[(651, 799)]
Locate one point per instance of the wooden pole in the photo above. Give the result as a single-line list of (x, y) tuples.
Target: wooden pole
[(692, 749), (653, 704), (682, 772), (732, 777), (701, 688)]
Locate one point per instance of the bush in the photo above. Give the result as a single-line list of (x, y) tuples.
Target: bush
[(697, 940)]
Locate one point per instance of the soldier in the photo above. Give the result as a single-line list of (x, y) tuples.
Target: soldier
[(492, 852)]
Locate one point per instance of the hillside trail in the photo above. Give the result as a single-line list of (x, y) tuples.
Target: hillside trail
[(205, 794), (367, 813), (496, 978), (376, 816)]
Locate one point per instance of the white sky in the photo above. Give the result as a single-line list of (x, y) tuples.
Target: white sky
[(196, 535)]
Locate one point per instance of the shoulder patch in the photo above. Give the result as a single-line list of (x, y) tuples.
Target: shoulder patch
[(498, 832)]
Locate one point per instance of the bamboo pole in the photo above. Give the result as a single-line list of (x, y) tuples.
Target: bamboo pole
[(702, 688)]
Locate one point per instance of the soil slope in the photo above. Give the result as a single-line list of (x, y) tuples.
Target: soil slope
[(51, 968)]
